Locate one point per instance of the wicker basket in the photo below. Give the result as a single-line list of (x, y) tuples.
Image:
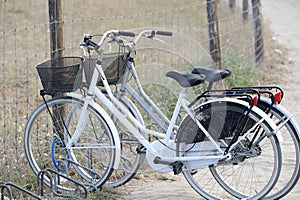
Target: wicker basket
[(114, 65), (61, 74)]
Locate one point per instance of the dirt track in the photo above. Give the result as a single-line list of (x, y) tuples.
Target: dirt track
[(283, 17)]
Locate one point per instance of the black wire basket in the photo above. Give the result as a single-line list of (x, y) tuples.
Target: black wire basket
[(61, 75), (114, 65)]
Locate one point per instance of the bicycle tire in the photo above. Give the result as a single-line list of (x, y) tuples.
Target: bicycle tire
[(290, 147), (230, 179), (131, 160), (95, 156)]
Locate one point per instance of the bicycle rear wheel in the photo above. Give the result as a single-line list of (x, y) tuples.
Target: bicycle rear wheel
[(90, 161), (290, 147), (255, 162)]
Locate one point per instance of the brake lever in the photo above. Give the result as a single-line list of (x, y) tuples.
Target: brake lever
[(109, 44), (159, 40), (82, 47)]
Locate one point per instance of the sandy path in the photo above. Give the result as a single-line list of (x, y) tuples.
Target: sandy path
[(283, 16)]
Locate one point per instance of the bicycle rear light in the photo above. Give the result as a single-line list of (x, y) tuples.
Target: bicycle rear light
[(277, 97)]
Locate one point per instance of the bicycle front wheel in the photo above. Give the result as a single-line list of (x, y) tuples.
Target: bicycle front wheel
[(255, 162), (132, 156), (89, 161)]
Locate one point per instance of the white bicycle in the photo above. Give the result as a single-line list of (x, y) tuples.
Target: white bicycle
[(76, 136)]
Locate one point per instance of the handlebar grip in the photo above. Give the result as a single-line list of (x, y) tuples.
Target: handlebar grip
[(126, 33), (91, 43), (165, 33)]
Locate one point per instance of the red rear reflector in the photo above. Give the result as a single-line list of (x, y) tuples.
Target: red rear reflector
[(253, 101), (277, 97)]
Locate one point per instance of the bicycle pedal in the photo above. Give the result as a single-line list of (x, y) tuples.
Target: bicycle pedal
[(177, 167), (141, 149)]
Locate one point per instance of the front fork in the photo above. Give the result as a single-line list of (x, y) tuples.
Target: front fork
[(81, 123)]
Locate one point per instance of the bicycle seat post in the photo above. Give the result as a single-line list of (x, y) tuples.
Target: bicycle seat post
[(209, 86)]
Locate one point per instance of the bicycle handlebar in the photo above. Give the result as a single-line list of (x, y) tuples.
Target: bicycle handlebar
[(151, 34), (89, 42), (165, 33), (115, 33), (125, 33)]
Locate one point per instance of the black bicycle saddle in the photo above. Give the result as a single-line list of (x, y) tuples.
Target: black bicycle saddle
[(212, 75)]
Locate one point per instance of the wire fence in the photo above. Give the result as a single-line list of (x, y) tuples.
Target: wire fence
[(25, 42)]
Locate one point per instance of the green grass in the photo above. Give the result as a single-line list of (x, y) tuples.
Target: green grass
[(242, 74)]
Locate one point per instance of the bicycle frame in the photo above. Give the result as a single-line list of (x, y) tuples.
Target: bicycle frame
[(162, 151), (182, 102), (157, 115), (136, 128)]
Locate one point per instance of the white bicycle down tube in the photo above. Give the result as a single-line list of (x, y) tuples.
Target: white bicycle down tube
[(122, 117), (121, 112)]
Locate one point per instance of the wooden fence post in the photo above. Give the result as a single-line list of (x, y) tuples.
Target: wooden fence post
[(56, 28), (213, 31), (57, 51), (258, 36), (245, 9)]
